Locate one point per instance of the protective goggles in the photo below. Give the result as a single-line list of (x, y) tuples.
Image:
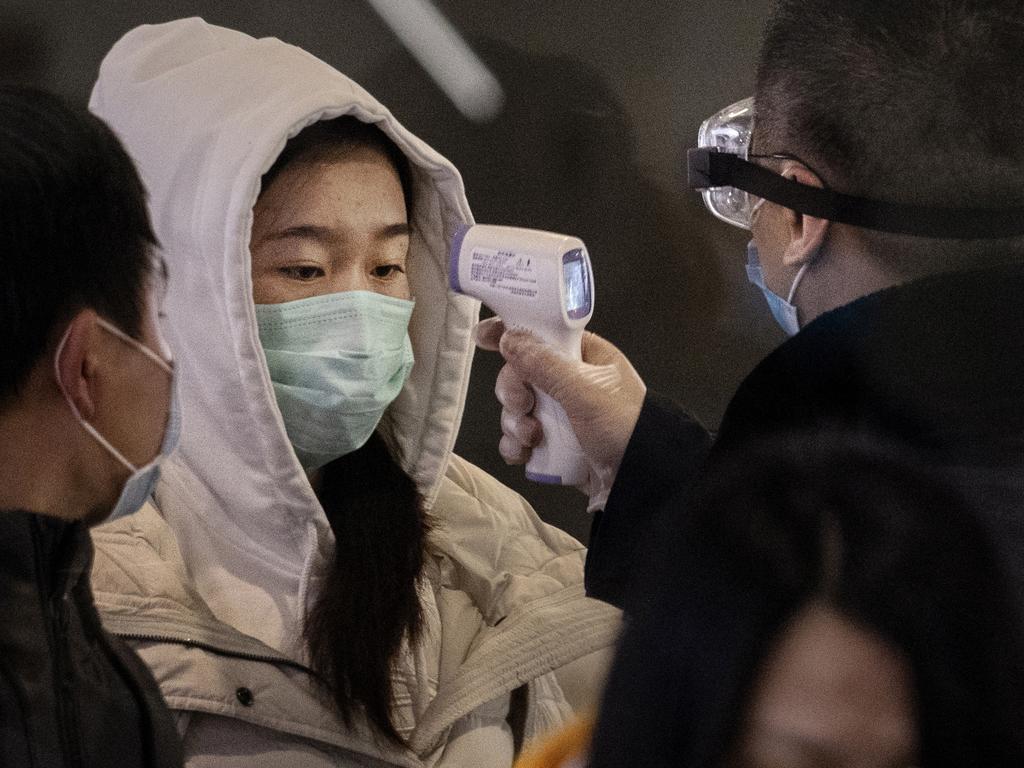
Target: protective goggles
[(732, 187)]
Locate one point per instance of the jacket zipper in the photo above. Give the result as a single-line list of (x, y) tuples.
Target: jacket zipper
[(60, 644), (67, 700), (189, 642)]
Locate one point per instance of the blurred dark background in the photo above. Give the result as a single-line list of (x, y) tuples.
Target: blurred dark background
[(602, 101)]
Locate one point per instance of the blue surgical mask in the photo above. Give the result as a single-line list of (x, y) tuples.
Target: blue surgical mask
[(337, 362), (783, 311), (142, 480)]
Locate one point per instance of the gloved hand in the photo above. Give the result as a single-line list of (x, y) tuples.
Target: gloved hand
[(602, 395)]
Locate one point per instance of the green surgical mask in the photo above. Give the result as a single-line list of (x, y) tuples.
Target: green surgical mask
[(337, 362)]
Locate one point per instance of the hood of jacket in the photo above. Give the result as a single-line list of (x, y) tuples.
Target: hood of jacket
[(204, 111)]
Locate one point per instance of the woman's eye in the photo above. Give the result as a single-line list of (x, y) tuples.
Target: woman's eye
[(302, 272), (388, 270)]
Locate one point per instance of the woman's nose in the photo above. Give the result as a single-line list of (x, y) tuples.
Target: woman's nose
[(349, 280)]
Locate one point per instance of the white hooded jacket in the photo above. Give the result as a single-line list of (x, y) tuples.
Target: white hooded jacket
[(213, 583)]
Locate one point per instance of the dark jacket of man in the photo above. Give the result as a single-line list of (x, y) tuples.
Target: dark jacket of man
[(70, 694), (938, 363)]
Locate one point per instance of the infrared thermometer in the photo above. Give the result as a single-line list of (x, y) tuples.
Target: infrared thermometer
[(541, 282)]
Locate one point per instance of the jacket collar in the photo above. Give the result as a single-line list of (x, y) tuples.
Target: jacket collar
[(930, 361), (49, 552), (542, 619)]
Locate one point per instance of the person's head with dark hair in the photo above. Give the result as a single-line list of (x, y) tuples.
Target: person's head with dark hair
[(894, 121), (830, 602), (74, 214), (26, 50), (912, 105), (79, 287)]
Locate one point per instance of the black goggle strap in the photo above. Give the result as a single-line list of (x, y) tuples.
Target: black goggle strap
[(708, 167)]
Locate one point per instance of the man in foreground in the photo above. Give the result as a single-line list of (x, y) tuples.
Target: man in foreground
[(85, 415)]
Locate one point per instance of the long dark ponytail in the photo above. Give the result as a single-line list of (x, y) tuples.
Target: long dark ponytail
[(369, 603)]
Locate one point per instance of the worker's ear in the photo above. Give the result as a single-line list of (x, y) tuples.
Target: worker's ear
[(806, 233)]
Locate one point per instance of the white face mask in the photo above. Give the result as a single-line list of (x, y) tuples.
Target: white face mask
[(337, 361), (142, 480)]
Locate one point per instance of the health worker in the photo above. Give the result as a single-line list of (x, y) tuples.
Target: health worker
[(889, 244)]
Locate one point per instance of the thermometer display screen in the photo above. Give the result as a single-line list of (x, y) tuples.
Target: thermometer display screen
[(576, 274)]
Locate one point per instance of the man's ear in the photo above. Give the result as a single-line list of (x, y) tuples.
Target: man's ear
[(76, 362), (806, 233)]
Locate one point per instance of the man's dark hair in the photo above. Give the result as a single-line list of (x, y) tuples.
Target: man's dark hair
[(919, 101), (74, 230)]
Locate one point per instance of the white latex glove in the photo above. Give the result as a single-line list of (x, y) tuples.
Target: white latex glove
[(602, 395)]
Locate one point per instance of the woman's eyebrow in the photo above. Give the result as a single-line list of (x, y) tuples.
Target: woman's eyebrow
[(324, 234), (305, 231), (397, 229)]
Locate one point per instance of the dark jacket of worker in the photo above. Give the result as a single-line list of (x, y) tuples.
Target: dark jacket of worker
[(937, 363)]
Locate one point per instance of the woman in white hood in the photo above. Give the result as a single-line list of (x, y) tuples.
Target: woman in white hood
[(309, 591)]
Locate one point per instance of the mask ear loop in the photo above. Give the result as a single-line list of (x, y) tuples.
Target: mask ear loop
[(754, 209), (74, 409), (111, 328), (802, 271), (796, 282)]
